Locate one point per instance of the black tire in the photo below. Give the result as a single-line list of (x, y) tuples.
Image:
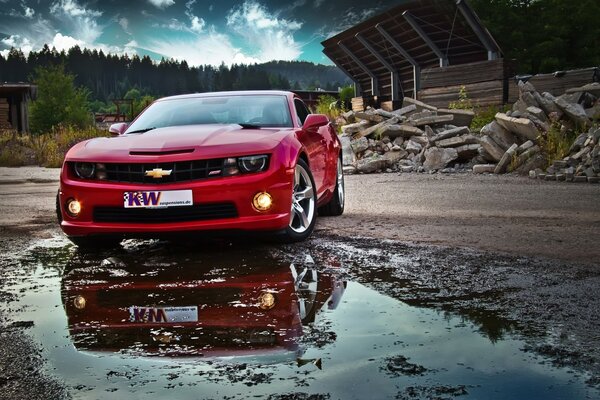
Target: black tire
[(58, 211), (298, 231), (335, 206)]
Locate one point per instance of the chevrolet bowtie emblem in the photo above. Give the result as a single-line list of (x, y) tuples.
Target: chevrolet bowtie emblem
[(158, 173)]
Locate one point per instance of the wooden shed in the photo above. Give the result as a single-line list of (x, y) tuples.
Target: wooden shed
[(14, 105), (424, 49)]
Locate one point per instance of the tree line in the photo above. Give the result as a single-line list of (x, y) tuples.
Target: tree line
[(111, 76), (544, 35)]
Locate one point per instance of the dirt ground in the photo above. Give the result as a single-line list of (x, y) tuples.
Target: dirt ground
[(523, 251), (508, 214)]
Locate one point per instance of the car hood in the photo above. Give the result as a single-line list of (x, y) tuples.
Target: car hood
[(192, 141)]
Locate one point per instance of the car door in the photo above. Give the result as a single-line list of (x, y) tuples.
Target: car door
[(315, 145)]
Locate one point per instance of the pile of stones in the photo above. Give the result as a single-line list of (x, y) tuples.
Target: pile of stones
[(422, 138)]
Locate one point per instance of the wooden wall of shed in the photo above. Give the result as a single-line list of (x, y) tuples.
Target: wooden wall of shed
[(485, 82)]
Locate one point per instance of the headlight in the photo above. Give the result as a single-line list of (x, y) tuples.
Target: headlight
[(85, 170), (234, 166), (253, 163)]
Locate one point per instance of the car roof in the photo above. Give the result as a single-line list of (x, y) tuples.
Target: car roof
[(230, 93)]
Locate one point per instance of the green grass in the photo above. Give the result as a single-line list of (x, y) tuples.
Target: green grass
[(555, 144)]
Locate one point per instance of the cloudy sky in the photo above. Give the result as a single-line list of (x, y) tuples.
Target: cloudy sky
[(199, 31)]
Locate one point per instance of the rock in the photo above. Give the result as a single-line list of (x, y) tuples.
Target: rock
[(594, 111), (529, 99), (413, 147), (506, 159), (574, 111), (433, 120), (407, 168), (491, 148), (378, 129), (579, 142), (396, 148), (356, 127), (372, 164), (484, 168), (580, 179), (419, 105), (368, 153), (457, 141), (498, 134), (525, 87), (392, 157), (592, 88), (348, 154), (437, 158), (422, 140), (402, 130), (429, 132), (527, 145), (538, 113), (398, 141), (589, 172), (520, 106), (405, 110), (546, 103), (461, 117), (581, 153), (522, 127), (593, 179), (349, 116), (369, 116), (359, 145), (448, 133), (521, 159), (384, 113), (467, 151)]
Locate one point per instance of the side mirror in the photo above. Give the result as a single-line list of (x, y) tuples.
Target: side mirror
[(315, 121), (118, 129)]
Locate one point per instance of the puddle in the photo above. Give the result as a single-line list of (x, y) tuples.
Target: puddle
[(152, 321)]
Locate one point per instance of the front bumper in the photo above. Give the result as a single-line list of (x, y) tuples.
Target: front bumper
[(236, 190)]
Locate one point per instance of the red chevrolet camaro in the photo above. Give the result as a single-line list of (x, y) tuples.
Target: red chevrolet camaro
[(250, 161)]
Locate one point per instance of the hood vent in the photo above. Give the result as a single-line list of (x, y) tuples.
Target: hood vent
[(159, 153)]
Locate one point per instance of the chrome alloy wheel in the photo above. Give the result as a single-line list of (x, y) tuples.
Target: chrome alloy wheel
[(303, 201), (340, 183)]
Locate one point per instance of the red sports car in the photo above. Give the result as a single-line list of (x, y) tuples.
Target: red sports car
[(251, 161)]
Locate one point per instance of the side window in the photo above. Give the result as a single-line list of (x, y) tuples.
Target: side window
[(301, 111)]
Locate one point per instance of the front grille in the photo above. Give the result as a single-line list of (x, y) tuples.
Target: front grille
[(181, 171), (164, 215)]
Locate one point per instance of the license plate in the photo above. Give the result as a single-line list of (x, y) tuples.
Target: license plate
[(158, 199), (163, 314)]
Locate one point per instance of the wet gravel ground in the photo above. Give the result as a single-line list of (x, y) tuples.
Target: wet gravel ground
[(532, 277)]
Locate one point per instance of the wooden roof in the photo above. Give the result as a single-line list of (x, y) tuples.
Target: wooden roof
[(416, 33)]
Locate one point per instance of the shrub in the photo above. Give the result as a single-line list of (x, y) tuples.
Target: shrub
[(555, 144), (328, 105), (47, 150)]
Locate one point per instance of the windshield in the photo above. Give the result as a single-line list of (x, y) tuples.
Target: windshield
[(252, 110)]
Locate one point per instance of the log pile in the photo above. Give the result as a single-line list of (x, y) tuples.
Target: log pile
[(423, 138)]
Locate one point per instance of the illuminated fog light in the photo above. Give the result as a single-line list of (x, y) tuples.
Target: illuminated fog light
[(262, 201), (73, 207), (79, 302), (266, 300)]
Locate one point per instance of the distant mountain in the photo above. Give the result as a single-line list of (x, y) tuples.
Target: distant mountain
[(307, 75)]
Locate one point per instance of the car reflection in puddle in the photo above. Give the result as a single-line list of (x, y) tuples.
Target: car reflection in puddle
[(215, 308)]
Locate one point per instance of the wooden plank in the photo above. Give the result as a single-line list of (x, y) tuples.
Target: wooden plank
[(481, 94), (456, 75)]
